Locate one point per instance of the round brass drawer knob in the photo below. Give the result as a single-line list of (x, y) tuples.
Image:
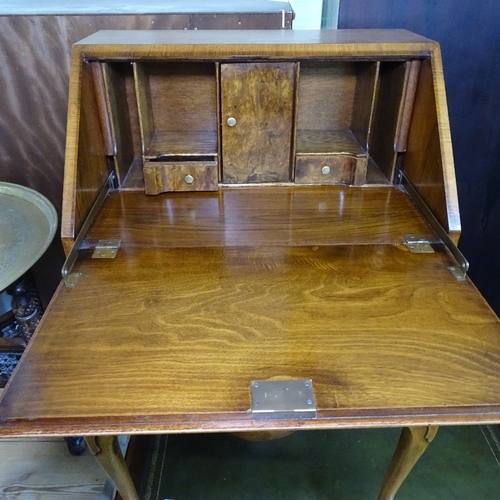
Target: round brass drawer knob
[(231, 121), (325, 170), (189, 179)]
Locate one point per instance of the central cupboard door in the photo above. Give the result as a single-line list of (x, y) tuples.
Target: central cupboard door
[(257, 108)]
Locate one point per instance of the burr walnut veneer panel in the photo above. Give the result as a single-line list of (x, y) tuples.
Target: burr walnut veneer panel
[(259, 98)]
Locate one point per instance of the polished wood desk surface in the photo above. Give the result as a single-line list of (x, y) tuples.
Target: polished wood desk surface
[(211, 291)]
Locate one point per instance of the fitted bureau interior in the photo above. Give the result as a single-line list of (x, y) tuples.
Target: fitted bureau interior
[(191, 126)]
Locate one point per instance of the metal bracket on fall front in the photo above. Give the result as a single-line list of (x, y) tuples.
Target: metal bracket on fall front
[(459, 270), (283, 399), (71, 278)]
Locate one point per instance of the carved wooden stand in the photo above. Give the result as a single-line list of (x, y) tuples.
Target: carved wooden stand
[(26, 306)]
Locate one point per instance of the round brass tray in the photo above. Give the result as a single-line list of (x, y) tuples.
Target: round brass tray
[(28, 223)]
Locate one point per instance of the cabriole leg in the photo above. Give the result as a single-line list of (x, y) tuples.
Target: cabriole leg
[(108, 454), (412, 444)]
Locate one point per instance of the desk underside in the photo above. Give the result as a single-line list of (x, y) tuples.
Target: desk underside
[(167, 336)]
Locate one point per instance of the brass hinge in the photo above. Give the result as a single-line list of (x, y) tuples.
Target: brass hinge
[(283, 399), (106, 249), (417, 243)]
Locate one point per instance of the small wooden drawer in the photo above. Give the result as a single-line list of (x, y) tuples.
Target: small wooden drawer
[(330, 169), (161, 177)]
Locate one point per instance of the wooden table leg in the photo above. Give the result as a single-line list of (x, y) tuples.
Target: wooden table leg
[(108, 454), (412, 444)]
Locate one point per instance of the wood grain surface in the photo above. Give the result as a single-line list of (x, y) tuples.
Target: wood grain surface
[(267, 158), (102, 107), (260, 216), (212, 290), (35, 55), (183, 96), (144, 106), (338, 149), (177, 105), (445, 145), (260, 98), (216, 44), (326, 95), (385, 335), (464, 35), (408, 103)]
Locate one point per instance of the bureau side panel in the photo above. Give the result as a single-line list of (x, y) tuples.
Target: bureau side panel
[(428, 161), (86, 167)]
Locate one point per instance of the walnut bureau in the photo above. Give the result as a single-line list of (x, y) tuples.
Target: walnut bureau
[(258, 209)]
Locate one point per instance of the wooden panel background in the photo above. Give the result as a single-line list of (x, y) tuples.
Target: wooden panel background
[(364, 101), (183, 96), (34, 57), (469, 38), (120, 95), (144, 108), (392, 81), (326, 95)]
